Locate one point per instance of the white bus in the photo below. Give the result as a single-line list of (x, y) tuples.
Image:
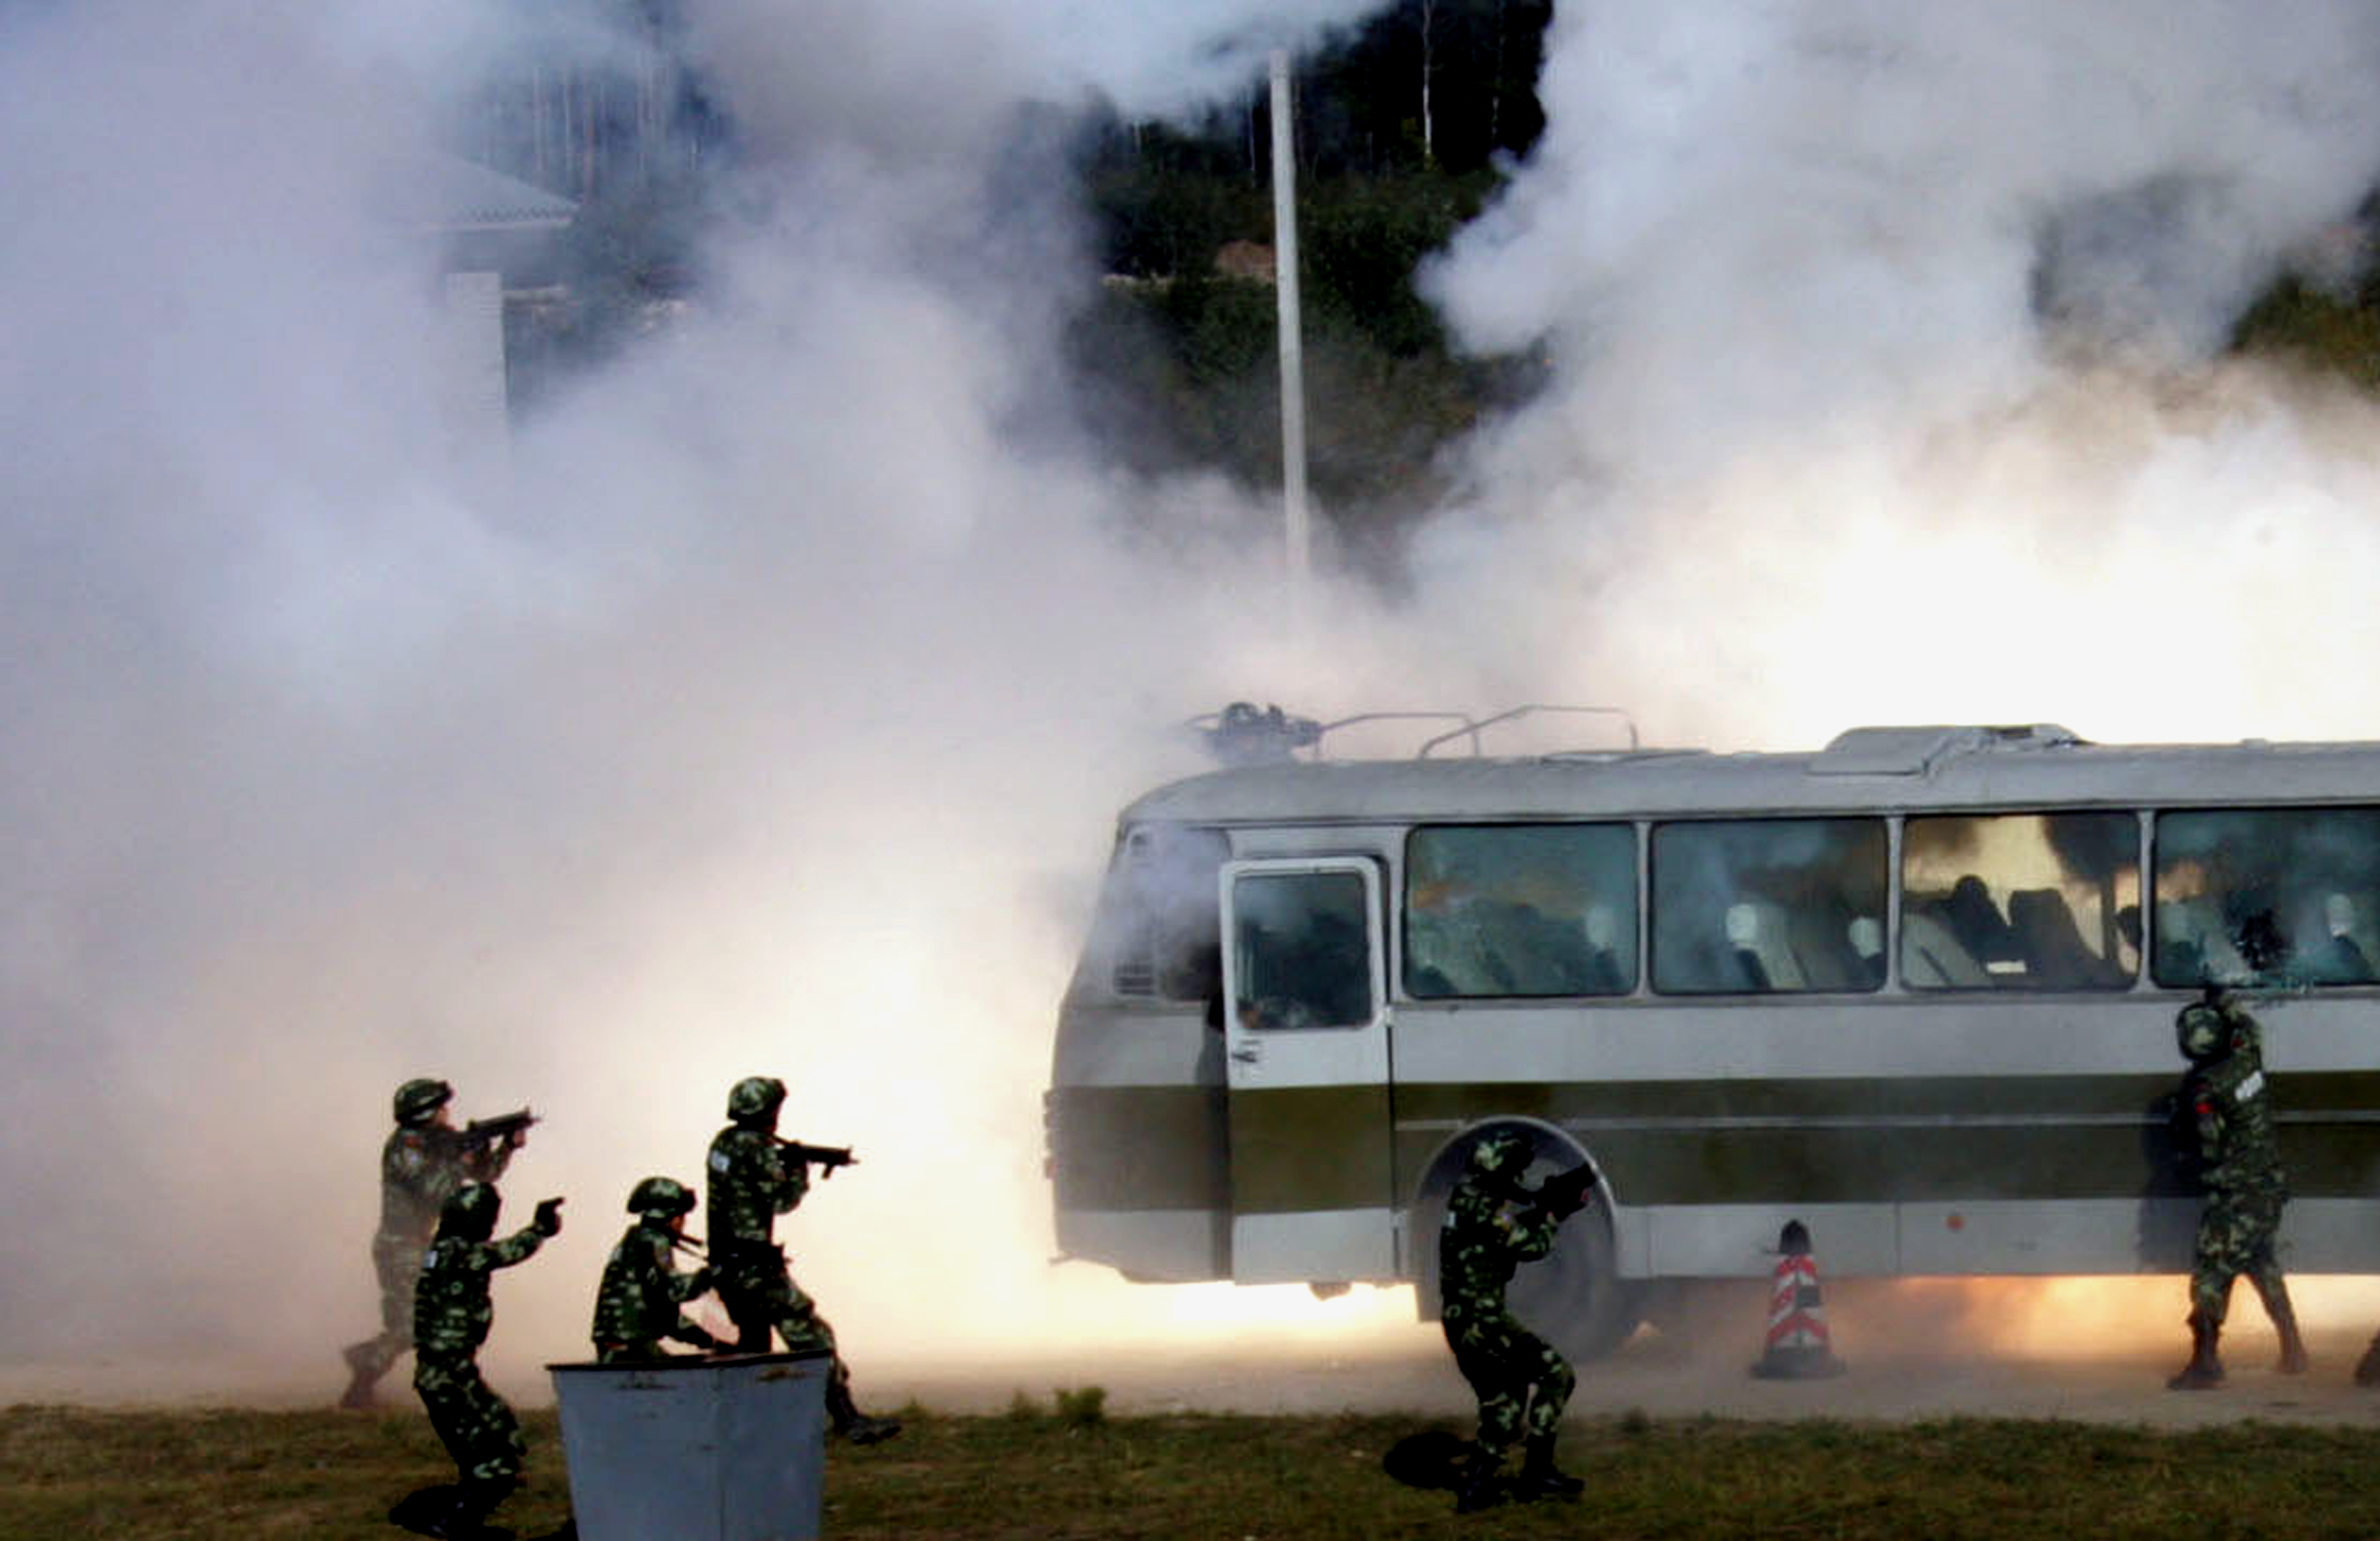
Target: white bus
[(1916, 990)]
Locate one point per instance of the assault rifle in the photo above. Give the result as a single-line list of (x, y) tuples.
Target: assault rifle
[(1566, 1193), (488, 1130), (827, 1156)]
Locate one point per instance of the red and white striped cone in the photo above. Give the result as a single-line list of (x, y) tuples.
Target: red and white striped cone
[(1798, 1346)]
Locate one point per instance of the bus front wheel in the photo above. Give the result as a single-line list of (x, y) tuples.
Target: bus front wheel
[(1573, 1297)]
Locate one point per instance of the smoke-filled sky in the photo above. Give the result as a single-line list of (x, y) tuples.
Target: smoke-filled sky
[(768, 711)]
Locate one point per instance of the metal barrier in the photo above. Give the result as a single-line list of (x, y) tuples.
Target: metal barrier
[(696, 1449)]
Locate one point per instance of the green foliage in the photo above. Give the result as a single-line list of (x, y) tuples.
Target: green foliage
[(2316, 328)]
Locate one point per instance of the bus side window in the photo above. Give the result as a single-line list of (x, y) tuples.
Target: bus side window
[(2019, 901), (1766, 906), (1501, 910), (1301, 954), (2267, 896)]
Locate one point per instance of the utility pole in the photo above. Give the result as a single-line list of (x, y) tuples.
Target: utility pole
[(1292, 361)]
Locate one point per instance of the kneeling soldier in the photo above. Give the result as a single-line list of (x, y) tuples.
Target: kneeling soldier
[(637, 1306), (452, 1314), (1493, 1225)]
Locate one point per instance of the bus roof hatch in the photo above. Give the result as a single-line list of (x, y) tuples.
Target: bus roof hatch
[(1916, 751)]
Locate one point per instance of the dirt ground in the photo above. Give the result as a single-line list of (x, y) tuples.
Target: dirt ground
[(2102, 1356)]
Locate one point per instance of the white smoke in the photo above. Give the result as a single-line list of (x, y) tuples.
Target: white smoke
[(766, 714), (1878, 337), (763, 717)]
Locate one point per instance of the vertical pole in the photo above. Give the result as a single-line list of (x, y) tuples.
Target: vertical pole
[(1293, 362)]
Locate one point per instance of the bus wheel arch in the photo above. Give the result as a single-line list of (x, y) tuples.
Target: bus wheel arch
[(1574, 1297)]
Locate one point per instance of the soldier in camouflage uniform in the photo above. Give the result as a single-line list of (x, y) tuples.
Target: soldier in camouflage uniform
[(452, 1313), (753, 1180), (1494, 1224), (2240, 1165), (637, 1304), (426, 1158)]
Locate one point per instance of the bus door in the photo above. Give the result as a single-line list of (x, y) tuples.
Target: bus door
[(1306, 1043)]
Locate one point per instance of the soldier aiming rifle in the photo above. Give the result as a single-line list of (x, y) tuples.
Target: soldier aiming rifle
[(1494, 1223), (755, 1177), (424, 1162)]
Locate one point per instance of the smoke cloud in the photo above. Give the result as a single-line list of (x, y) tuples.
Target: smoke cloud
[(765, 709), (1881, 342)]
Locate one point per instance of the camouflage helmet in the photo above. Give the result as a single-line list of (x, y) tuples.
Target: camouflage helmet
[(661, 1195), (1504, 1153), (470, 1213), (2202, 1031), (755, 1097), (418, 1100)]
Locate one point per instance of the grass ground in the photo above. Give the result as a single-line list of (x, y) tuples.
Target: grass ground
[(1067, 1471)]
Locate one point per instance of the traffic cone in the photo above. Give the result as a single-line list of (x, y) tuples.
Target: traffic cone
[(1797, 1348)]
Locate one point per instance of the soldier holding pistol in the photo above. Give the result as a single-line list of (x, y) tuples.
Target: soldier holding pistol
[(452, 1313), (755, 1177)]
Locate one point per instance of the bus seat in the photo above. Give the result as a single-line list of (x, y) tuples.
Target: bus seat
[(2191, 946), (1972, 918), (1866, 934), (1931, 957), (2342, 959), (1756, 928), (1823, 949), (2054, 956)]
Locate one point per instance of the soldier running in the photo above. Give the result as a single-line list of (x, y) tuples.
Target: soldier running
[(755, 1177), (637, 1304), (452, 1313), (2240, 1162), (1494, 1224), (425, 1160)]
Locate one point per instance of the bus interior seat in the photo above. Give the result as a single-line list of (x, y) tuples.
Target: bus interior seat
[(1931, 957), (1822, 947), (1756, 929), (1972, 918), (2342, 958), (2055, 954), (2190, 945)]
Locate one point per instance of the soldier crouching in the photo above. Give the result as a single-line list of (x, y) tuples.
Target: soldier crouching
[(1494, 1224), (637, 1304)]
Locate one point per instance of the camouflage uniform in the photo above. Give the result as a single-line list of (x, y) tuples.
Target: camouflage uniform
[(452, 1313), (421, 1165), (752, 1181), (1488, 1235), (2225, 1096), (637, 1305), (1492, 1226)]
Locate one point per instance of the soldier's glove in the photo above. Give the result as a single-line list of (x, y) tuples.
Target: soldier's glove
[(548, 1217), (699, 1336)]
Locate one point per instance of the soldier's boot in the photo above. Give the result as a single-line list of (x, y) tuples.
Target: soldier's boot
[(1481, 1484), (2275, 1297), (2367, 1369), (364, 1370), (850, 1421), (1540, 1478), (2204, 1371)]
